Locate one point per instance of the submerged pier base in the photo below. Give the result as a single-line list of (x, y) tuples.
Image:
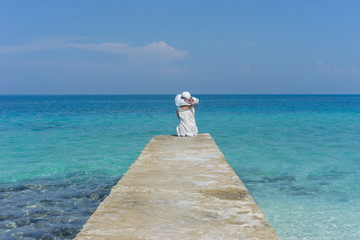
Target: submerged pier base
[(179, 188)]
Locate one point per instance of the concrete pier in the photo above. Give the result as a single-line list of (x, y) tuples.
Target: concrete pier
[(179, 188)]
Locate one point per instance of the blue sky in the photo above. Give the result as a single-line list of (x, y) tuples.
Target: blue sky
[(166, 47)]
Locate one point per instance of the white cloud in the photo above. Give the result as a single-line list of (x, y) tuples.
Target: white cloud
[(355, 69), (327, 69), (245, 69), (336, 70), (42, 45), (157, 58), (155, 50), (251, 43)]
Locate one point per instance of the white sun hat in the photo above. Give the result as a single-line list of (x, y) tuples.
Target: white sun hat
[(180, 101)]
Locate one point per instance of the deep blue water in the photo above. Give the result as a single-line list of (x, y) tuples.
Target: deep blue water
[(299, 156)]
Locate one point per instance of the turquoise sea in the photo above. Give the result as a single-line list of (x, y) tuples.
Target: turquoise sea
[(299, 156)]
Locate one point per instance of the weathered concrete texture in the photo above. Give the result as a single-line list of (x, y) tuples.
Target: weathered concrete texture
[(179, 188)]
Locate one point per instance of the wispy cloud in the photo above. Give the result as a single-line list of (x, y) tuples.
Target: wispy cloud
[(156, 58), (328, 69), (355, 69), (337, 70), (251, 43), (41, 45), (157, 50), (245, 69)]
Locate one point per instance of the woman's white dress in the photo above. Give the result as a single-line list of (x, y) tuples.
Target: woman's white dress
[(187, 125)]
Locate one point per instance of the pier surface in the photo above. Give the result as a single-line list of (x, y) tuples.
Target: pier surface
[(179, 188)]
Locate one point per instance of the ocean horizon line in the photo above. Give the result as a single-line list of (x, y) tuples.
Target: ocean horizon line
[(203, 94)]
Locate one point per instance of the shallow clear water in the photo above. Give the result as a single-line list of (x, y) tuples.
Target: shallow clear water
[(299, 156)]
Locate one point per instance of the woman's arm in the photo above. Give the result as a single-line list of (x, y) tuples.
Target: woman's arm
[(194, 109), (177, 113)]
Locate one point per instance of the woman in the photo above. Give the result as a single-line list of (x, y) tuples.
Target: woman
[(186, 114)]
